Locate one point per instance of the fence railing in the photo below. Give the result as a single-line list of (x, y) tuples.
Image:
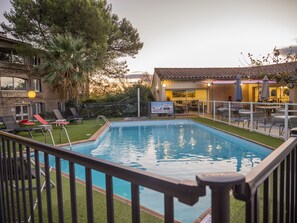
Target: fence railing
[(268, 190), (275, 119), (115, 109), (16, 183)]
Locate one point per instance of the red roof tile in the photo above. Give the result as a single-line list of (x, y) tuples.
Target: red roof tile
[(224, 73)]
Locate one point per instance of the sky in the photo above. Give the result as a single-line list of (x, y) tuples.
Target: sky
[(204, 33)]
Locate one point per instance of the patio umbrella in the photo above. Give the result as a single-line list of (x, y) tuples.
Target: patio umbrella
[(265, 89), (238, 90)]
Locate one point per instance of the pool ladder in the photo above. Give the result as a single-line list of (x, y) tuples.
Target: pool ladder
[(52, 138), (104, 119)]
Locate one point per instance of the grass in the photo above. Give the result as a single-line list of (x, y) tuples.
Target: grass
[(122, 210), (260, 138), (76, 132), (89, 127)]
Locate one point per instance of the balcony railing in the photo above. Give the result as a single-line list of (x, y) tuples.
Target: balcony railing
[(269, 190)]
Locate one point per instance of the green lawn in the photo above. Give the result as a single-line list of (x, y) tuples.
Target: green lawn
[(89, 127), (260, 138)]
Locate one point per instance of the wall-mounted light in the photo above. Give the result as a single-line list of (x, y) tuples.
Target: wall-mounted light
[(164, 85), (31, 94), (208, 84)]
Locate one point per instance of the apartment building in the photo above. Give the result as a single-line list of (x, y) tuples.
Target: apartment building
[(16, 80)]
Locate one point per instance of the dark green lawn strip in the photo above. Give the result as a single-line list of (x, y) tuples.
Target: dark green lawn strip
[(76, 132), (122, 211), (257, 137)]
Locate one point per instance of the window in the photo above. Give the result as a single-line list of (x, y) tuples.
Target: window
[(183, 93), (20, 84), (6, 83), (22, 112), (14, 83), (36, 85), (37, 107), (36, 61)]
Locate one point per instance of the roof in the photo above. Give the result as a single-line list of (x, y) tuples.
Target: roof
[(224, 73), (10, 40)]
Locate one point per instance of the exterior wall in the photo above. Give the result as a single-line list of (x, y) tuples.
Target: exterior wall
[(10, 99)]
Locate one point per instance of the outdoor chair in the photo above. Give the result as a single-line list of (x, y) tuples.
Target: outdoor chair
[(12, 126), (76, 115), (22, 169), (60, 117), (279, 121), (48, 125)]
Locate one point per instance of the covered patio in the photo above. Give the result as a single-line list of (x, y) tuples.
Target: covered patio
[(192, 84)]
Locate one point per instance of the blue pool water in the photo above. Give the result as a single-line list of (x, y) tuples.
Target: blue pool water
[(178, 149)]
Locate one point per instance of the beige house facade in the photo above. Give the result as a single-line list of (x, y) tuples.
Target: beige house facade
[(190, 84), (16, 80)]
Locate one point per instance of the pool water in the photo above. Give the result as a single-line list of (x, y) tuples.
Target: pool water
[(178, 149)]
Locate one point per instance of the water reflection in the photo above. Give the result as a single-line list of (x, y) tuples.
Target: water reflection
[(182, 148)]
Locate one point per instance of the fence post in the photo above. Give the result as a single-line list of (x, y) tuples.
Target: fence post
[(203, 108), (286, 121), (214, 110), (251, 116), (229, 115), (220, 185)]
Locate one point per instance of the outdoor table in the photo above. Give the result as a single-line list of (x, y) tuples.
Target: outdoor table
[(289, 111), (268, 108)]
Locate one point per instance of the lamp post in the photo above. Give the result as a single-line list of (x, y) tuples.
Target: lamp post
[(31, 96)]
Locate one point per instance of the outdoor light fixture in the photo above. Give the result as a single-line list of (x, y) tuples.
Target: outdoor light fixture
[(31, 94)]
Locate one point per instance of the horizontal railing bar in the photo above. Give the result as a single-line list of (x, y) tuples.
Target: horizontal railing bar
[(186, 191), (258, 174)]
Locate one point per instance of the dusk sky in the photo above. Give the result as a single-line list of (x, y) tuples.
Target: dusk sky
[(204, 33)]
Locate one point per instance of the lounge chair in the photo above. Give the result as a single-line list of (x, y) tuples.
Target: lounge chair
[(76, 115), (12, 126), (24, 168), (46, 125), (60, 117), (26, 122)]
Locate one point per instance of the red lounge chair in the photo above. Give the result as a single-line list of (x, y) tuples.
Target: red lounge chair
[(26, 122), (46, 124), (12, 126)]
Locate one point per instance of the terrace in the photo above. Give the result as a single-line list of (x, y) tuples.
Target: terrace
[(276, 175)]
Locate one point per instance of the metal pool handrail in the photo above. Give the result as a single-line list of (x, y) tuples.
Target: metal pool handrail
[(104, 119)]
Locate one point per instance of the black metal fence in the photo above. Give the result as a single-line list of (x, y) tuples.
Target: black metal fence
[(114, 109), (269, 190)]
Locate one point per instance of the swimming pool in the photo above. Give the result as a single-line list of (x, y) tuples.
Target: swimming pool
[(177, 148)]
